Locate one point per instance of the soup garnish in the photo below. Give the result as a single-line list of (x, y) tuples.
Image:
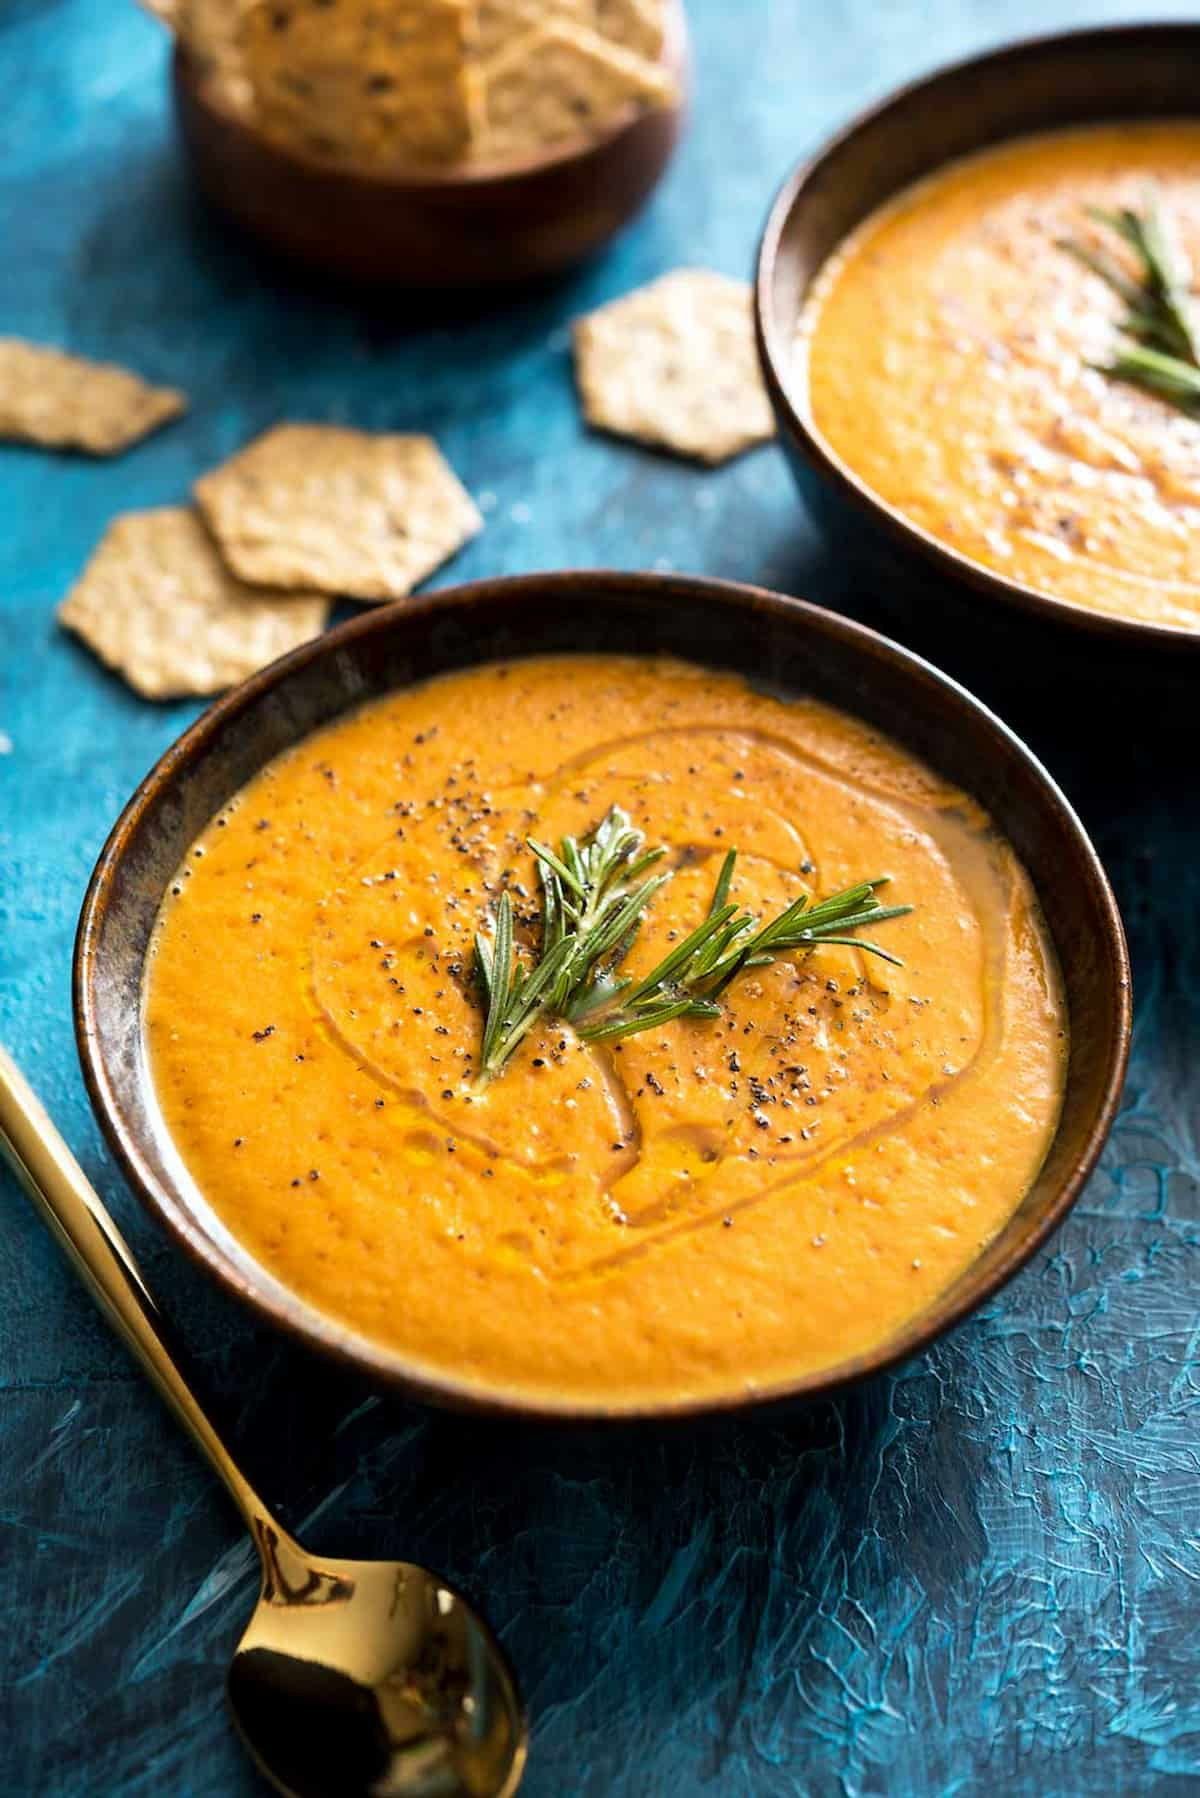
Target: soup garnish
[(1158, 346), (593, 902)]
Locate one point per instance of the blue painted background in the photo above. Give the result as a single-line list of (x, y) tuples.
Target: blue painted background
[(981, 1574)]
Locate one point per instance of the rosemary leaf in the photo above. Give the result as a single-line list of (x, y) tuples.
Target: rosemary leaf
[(1162, 374), (568, 876), (724, 881)]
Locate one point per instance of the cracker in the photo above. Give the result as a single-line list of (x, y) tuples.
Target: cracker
[(674, 365), (497, 22), (211, 31), (355, 512), (640, 25), (66, 402), (558, 82), (361, 82), (157, 603)]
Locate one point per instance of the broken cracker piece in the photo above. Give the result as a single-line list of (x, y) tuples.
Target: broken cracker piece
[(640, 25), (211, 32), (355, 512), (674, 365), (60, 401), (157, 603), (497, 22), (166, 10), (361, 83), (558, 82)]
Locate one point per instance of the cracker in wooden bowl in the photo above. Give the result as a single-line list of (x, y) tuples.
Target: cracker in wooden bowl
[(497, 22), (640, 25), (360, 82), (558, 82), (211, 31)]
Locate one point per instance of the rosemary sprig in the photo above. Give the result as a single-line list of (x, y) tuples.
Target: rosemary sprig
[(691, 977), (594, 896), (1159, 349)]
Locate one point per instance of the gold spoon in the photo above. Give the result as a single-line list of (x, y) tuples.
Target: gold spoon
[(355, 1679)]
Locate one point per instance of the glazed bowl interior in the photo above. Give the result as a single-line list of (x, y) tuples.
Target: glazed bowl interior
[(1044, 84), (792, 648)]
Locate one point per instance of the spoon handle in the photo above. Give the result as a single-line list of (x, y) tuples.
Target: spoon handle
[(72, 1208)]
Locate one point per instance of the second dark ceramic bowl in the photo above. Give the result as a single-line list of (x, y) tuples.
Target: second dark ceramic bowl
[(462, 227), (1082, 77), (796, 648)]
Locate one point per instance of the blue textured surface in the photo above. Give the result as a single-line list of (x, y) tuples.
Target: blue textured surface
[(982, 1572)]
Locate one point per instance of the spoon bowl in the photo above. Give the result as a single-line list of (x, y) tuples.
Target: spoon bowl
[(369, 1678), (355, 1679)]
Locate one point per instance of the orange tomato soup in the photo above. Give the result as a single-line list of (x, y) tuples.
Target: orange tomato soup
[(711, 1207), (945, 358)]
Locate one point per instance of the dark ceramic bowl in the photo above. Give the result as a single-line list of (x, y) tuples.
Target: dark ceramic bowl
[(800, 649), (1083, 77), (496, 225)]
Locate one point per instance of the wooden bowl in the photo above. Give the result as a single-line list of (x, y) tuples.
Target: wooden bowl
[(801, 649), (495, 225), (1082, 77)]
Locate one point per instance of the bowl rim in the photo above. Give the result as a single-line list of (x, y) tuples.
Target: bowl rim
[(774, 355), (470, 177), (303, 1321)]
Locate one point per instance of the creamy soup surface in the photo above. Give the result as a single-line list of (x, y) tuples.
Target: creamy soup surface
[(944, 357), (712, 1206)]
